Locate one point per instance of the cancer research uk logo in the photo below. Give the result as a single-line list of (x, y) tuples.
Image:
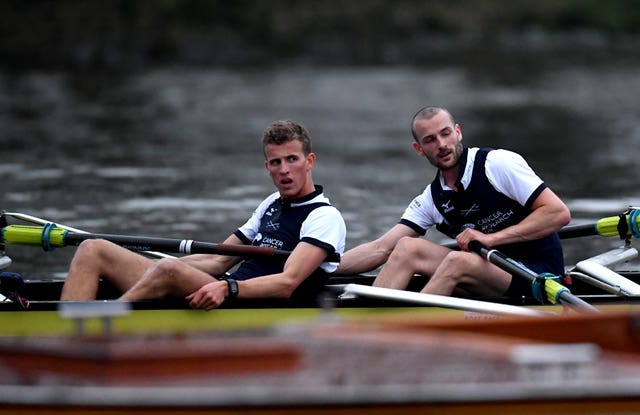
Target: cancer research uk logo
[(259, 240)]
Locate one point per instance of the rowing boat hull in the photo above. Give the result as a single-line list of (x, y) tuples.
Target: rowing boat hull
[(469, 399), (384, 365), (50, 289), (52, 323), (43, 318)]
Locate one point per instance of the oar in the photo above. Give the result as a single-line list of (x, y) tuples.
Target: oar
[(40, 221), (624, 225), (555, 292), (50, 237)]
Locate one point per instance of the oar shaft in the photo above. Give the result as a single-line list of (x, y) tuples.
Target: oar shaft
[(576, 303), (181, 246), (627, 224), (51, 237), (502, 261), (40, 221), (578, 231), (518, 270), (608, 226)]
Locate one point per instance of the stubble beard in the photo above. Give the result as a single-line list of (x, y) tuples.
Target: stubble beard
[(457, 152)]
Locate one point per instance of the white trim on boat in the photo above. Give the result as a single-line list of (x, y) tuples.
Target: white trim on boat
[(439, 300), (598, 268)]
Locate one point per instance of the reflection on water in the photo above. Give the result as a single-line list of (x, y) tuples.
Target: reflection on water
[(176, 151)]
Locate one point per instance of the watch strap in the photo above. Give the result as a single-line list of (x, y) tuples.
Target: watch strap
[(233, 287)]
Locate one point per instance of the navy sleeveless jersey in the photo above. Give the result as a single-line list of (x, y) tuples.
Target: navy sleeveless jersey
[(481, 207), (280, 228)]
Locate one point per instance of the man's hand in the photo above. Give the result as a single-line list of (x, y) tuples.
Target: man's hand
[(209, 296), (469, 235)]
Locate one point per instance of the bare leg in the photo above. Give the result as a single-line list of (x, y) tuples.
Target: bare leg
[(471, 273), (167, 277), (410, 256), (95, 259)]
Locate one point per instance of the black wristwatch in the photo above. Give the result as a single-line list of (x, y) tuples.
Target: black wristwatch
[(233, 288)]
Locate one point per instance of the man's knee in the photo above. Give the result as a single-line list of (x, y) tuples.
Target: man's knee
[(91, 250), (406, 247), (456, 266), (458, 260), (164, 270), (91, 246), (416, 249)]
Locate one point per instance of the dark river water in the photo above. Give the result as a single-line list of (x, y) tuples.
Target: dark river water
[(176, 151)]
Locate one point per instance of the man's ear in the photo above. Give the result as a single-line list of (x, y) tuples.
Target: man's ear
[(418, 149), (311, 159)]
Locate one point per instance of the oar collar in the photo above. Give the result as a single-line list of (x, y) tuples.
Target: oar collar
[(46, 236)]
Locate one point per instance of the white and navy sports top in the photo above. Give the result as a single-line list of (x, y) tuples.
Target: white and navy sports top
[(496, 189), (282, 224)]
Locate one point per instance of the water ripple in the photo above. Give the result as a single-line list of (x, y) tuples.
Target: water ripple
[(159, 203)]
